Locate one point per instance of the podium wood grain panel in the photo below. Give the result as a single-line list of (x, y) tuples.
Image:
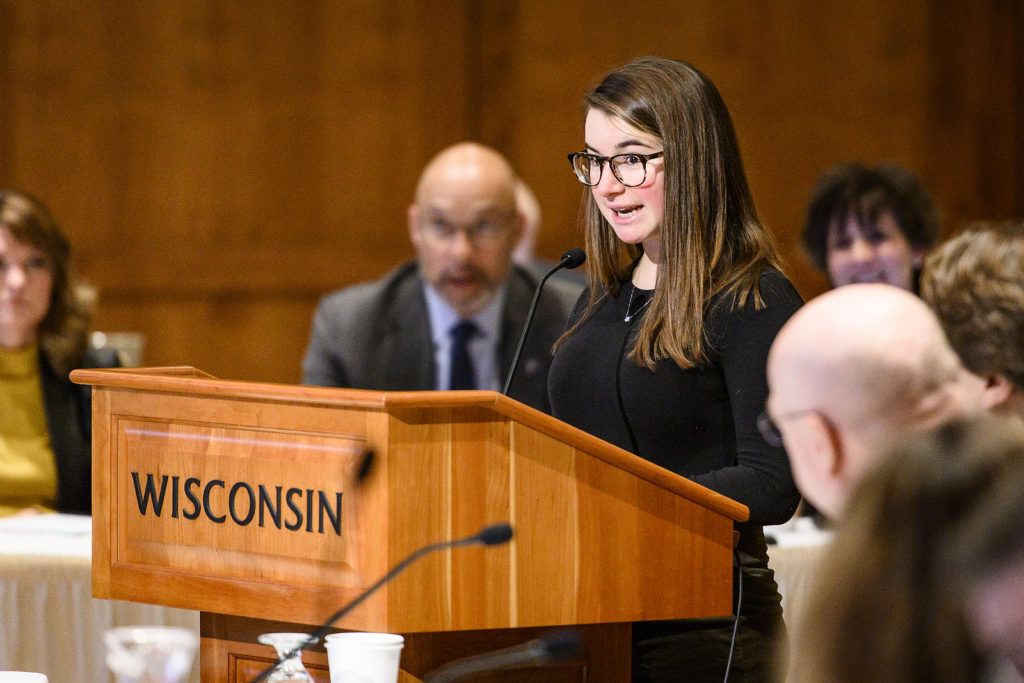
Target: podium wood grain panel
[(604, 658), (240, 500)]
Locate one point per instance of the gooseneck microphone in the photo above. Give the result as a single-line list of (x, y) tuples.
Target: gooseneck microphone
[(496, 534), (547, 648), (573, 258)]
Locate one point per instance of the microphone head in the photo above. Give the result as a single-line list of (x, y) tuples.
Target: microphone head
[(560, 645), (574, 258), (496, 534), (366, 462)]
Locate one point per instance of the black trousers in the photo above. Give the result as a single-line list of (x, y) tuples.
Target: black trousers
[(697, 650)]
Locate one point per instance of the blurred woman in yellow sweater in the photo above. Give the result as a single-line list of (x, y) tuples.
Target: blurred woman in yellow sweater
[(45, 420)]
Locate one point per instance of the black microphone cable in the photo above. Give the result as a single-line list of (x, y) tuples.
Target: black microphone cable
[(739, 604), (620, 359), (570, 259)]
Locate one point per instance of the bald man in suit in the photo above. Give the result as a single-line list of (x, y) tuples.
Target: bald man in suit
[(399, 332)]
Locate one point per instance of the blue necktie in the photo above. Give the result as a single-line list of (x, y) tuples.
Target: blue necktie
[(462, 376)]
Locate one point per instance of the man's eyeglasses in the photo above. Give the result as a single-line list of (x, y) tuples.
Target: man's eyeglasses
[(482, 233), (770, 429), (629, 169)]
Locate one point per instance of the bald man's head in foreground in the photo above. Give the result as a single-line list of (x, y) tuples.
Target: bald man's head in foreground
[(851, 371), (464, 224)]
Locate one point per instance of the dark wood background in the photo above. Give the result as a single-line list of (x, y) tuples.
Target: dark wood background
[(220, 164)]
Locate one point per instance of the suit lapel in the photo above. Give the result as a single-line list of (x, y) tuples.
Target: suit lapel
[(406, 351)]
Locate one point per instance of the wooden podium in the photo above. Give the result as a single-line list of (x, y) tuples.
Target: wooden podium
[(240, 500)]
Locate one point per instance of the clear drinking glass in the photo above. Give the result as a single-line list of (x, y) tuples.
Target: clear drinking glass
[(290, 668), (150, 654)]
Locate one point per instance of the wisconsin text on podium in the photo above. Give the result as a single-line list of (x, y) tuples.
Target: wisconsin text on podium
[(289, 509)]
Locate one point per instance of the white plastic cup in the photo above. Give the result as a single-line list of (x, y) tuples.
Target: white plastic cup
[(22, 677), (358, 657)]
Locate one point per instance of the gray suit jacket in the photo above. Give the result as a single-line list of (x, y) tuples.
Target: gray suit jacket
[(376, 335)]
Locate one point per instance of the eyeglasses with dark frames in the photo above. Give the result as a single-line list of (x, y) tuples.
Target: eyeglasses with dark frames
[(485, 232), (769, 428), (630, 169)]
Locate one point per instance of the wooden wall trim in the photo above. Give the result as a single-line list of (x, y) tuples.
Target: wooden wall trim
[(220, 166)]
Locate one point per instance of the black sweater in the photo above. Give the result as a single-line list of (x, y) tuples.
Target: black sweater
[(700, 423)]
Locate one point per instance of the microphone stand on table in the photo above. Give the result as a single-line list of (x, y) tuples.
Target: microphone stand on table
[(496, 534)]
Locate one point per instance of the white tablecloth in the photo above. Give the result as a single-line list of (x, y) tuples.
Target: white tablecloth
[(793, 553), (49, 621)]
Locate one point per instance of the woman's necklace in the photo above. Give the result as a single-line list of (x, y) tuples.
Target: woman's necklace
[(629, 305)]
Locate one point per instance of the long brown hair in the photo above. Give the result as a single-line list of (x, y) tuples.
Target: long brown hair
[(712, 239), (63, 333)]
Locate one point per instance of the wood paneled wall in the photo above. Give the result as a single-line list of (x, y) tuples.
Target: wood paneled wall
[(220, 164)]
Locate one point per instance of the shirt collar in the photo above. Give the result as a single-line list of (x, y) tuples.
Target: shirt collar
[(443, 317)]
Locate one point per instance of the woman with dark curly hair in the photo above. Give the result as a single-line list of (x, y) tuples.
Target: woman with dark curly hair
[(45, 420), (870, 224)]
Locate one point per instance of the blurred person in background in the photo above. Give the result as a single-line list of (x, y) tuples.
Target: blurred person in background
[(870, 224), (975, 284), (925, 577), (855, 368), (524, 253), (450, 319), (45, 314)]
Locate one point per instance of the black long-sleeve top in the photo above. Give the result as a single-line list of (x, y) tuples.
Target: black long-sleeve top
[(700, 423)]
